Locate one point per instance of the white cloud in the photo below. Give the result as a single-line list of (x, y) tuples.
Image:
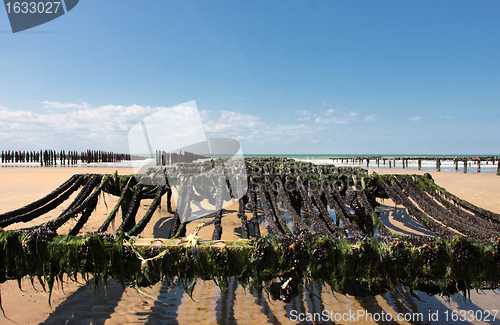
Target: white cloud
[(303, 112), (250, 128), (370, 117), (106, 127), (351, 114), (415, 118), (58, 105), (101, 128), (331, 111), (332, 120), (447, 117)]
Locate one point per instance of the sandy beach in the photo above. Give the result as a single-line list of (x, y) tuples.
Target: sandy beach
[(75, 304)]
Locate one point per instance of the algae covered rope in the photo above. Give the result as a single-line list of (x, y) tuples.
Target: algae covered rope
[(276, 208), (310, 209), (438, 212), (298, 223), (41, 202), (325, 215), (81, 202), (346, 224), (47, 207), (243, 217), (147, 217), (379, 225), (84, 192), (361, 267), (275, 228), (217, 233), (255, 219), (396, 194), (486, 214), (493, 227), (129, 220), (112, 215), (89, 208), (92, 204)]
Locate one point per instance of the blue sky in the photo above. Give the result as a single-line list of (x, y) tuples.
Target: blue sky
[(316, 77)]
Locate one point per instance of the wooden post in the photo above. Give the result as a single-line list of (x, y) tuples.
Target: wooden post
[(479, 166), (438, 164), (384, 162), (465, 166), (403, 161), (389, 164), (456, 165), (419, 164), (378, 162), (367, 162)]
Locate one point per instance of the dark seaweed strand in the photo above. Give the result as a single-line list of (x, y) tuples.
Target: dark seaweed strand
[(186, 212), (471, 207), (399, 198), (217, 234), (46, 208), (151, 194), (298, 223), (325, 216), (310, 209), (86, 213), (242, 215), (169, 200), (112, 215), (275, 228), (465, 215), (178, 229), (176, 224), (346, 224), (255, 219), (381, 227), (343, 205), (276, 209), (413, 210), (41, 202), (81, 202), (152, 208), (437, 211), (84, 192), (129, 220)]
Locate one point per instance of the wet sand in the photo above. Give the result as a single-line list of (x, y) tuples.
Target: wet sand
[(77, 305)]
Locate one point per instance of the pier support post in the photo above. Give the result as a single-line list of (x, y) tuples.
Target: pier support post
[(384, 162), (389, 164), (479, 166), (465, 166), (367, 162), (378, 162), (419, 164), (403, 161), (456, 165), (438, 165)]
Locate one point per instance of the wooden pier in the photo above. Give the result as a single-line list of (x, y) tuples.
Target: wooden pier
[(468, 161)]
